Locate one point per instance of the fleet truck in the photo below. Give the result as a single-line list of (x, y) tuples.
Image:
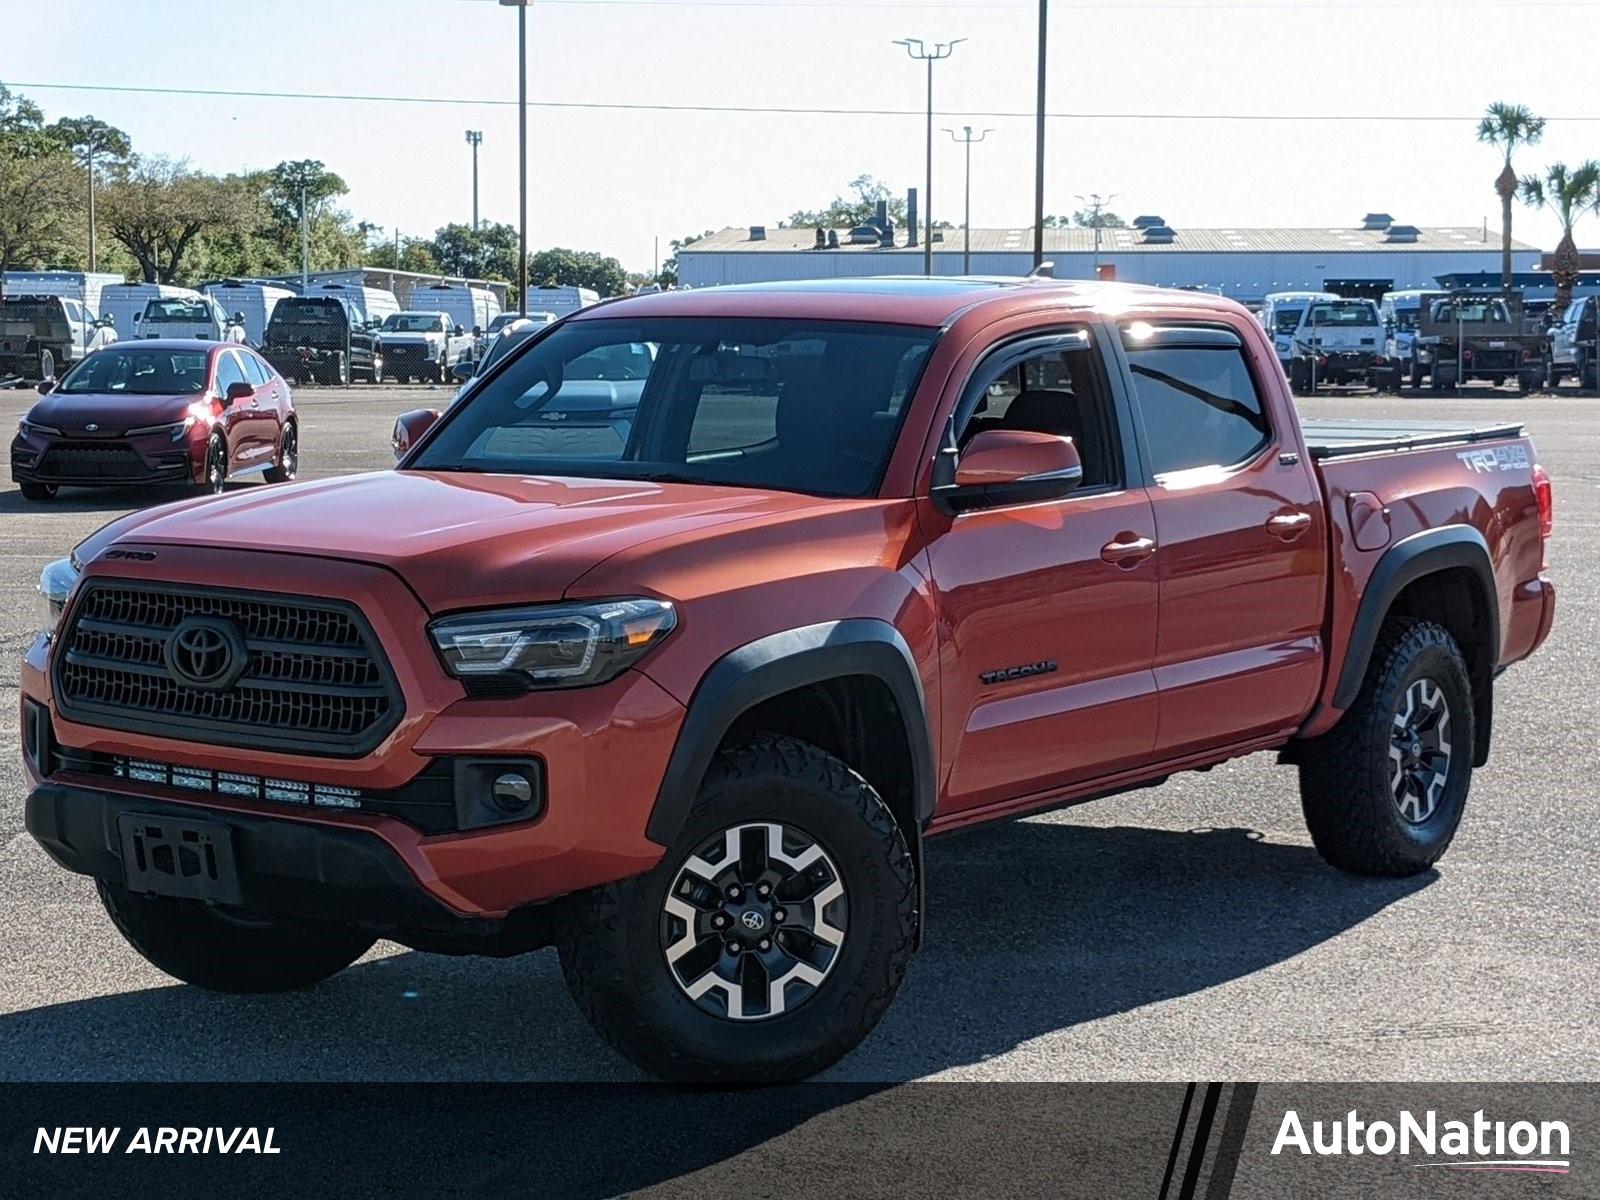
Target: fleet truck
[(860, 563), (1468, 335)]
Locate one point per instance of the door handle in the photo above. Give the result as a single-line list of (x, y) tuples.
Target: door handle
[(1127, 554), (1288, 526)]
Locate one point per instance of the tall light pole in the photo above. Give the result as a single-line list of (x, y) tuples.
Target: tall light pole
[(522, 150), (89, 153), (305, 238), (916, 49), (474, 139), (1096, 206), (1038, 143), (967, 139)]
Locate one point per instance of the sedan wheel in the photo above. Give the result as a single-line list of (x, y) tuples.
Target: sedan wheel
[(216, 468), (288, 457)]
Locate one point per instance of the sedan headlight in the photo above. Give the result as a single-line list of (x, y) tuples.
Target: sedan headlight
[(176, 430), (553, 645), (56, 582), (29, 428)]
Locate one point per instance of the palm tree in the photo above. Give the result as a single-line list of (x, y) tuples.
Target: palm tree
[(1508, 126), (1566, 192)]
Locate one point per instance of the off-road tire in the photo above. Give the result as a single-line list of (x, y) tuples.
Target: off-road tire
[(190, 941), (38, 492), (1345, 788), (615, 963)]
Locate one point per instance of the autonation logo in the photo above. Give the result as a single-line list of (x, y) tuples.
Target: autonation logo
[(1478, 1144)]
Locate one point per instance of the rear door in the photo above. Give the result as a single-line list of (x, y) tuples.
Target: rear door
[(1047, 610), (1239, 531)]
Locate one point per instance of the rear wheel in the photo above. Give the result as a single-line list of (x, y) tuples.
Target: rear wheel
[(47, 364), (1416, 373), (222, 952), (33, 490), (288, 457), (376, 374), (1384, 790), (771, 938)]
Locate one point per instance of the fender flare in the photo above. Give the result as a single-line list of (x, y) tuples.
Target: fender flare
[(1410, 559), (778, 663)]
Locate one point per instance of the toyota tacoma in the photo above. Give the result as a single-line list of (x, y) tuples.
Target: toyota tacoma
[(683, 692)]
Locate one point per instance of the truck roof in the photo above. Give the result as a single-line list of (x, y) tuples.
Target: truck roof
[(901, 299)]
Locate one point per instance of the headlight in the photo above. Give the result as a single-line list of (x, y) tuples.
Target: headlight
[(28, 428), (177, 429), (553, 645), (55, 584)]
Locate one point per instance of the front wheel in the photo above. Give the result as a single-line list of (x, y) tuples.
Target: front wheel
[(1384, 790), (40, 492), (376, 374), (771, 938), (212, 949), (216, 476)]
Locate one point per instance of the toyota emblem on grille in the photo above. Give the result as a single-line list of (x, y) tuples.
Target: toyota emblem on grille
[(91, 427), (206, 652)]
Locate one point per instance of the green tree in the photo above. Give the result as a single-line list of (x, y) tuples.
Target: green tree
[(855, 208), (416, 254), (1566, 191), (559, 267), (488, 252), (1508, 127), (668, 275), (41, 210), (98, 148), (160, 211)]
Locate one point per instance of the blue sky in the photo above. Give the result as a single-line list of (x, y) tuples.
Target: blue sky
[(614, 180)]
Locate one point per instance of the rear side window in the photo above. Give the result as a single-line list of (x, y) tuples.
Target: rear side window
[(1199, 406)]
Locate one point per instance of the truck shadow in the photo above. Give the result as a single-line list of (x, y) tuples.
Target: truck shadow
[(1035, 927)]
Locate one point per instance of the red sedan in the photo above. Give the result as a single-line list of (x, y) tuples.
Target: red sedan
[(158, 411)]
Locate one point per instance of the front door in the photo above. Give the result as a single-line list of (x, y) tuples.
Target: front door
[(1239, 523), (1047, 611)]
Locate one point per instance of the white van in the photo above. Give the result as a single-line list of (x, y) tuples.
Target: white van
[(83, 286), (1280, 316), (371, 304), (253, 301), (180, 317), (471, 308), (561, 300), (124, 302)]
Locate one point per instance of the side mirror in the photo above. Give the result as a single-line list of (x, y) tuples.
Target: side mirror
[(409, 428), (1012, 466), (477, 331), (459, 332), (237, 318), (463, 370), (46, 386), (240, 391)]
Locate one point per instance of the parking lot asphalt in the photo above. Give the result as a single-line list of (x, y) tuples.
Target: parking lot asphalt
[(1188, 931)]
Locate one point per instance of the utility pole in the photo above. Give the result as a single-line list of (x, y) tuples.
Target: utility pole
[(522, 150), (1096, 206), (967, 139), (474, 139), (305, 238), (1038, 143), (89, 151), (941, 50)]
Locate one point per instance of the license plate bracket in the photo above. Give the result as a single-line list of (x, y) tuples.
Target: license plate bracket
[(191, 860)]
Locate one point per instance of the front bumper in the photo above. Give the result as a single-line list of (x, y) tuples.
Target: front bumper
[(86, 462)]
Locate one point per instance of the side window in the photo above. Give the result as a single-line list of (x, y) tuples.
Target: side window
[(1061, 392), (254, 370), (228, 373), (1199, 405)]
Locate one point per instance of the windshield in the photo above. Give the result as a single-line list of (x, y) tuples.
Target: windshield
[(504, 319), (1405, 319), (176, 310), (1287, 320), (412, 323), (136, 372), (1349, 312), (1471, 311), (806, 406), (32, 311)]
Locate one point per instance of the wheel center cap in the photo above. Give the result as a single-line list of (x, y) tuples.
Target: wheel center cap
[(753, 919)]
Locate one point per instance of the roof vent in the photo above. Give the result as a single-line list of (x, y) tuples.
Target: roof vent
[(1377, 221), (863, 235), (1402, 233), (1157, 235), (1147, 221), (822, 239), (758, 233), (833, 239)]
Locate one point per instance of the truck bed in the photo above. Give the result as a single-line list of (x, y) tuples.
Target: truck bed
[(1327, 439)]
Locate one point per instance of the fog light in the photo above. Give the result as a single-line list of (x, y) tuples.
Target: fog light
[(512, 792)]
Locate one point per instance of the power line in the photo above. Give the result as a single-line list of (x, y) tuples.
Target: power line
[(773, 109)]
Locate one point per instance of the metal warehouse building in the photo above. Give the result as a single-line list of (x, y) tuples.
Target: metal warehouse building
[(1371, 257)]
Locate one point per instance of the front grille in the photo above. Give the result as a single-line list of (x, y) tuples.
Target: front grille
[(312, 679), (91, 460), (405, 353)]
